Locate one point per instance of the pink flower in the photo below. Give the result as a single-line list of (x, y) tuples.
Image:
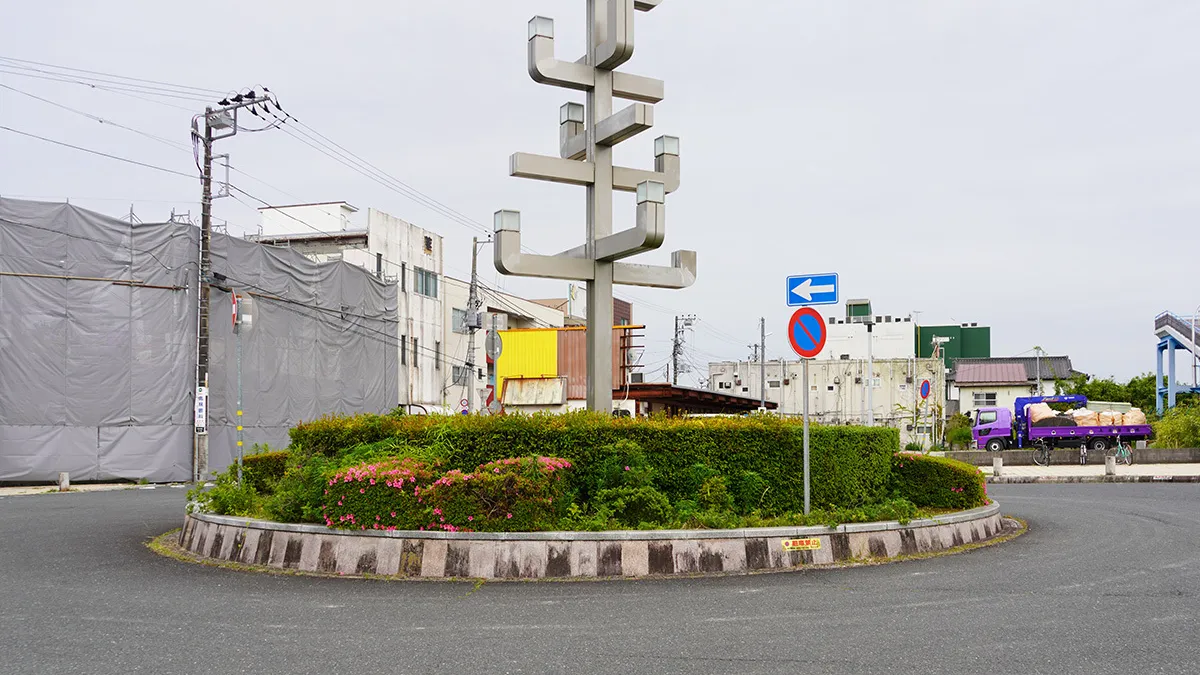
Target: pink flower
[(393, 514), (470, 517), (626, 468), (496, 470), (362, 491), (372, 481), (510, 515)]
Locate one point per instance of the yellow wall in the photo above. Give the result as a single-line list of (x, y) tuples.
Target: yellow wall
[(526, 353)]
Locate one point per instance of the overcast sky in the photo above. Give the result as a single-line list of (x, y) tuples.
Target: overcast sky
[(1029, 165)]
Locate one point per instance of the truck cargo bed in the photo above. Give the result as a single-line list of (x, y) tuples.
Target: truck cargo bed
[(1127, 432)]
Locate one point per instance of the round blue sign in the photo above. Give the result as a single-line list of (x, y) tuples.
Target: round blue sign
[(925, 389), (806, 332)]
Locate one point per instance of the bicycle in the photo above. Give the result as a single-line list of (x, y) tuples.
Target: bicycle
[(1041, 453), (1123, 452)]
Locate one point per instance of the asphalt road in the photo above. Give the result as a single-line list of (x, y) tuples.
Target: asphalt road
[(1106, 581)]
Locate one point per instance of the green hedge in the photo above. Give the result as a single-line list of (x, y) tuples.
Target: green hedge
[(937, 482), (851, 466), (262, 470)]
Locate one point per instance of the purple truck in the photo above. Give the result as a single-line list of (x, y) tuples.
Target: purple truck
[(996, 429)]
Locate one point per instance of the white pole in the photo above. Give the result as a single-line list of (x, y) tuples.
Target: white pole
[(806, 476), (870, 380), (1195, 357)]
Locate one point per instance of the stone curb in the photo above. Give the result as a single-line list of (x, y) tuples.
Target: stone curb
[(1093, 479), (541, 555)]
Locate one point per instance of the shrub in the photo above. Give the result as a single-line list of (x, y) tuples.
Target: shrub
[(1178, 428), (298, 496), (913, 446), (226, 497), (959, 437), (937, 482), (850, 465), (329, 435), (263, 469), (381, 495), (749, 489), (507, 495), (714, 494), (634, 507)]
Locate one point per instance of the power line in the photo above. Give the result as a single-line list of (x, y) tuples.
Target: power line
[(97, 152), (160, 89)]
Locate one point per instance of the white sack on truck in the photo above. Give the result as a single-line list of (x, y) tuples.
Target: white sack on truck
[(1086, 418), (1109, 418), (1135, 416), (1039, 412)]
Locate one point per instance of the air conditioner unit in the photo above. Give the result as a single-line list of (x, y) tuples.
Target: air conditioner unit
[(637, 378)]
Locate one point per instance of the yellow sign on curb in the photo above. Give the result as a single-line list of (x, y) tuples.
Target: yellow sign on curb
[(801, 544)]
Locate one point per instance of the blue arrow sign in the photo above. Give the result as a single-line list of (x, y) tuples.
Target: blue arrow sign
[(812, 289)]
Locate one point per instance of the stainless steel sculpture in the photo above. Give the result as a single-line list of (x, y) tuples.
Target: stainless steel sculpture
[(586, 138)]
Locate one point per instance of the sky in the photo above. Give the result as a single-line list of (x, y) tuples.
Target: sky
[(1030, 165)]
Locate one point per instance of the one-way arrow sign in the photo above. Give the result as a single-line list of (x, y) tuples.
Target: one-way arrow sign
[(812, 289)]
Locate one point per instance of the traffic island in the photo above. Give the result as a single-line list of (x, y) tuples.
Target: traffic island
[(312, 549)]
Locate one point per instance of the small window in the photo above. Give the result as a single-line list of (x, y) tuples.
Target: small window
[(461, 375), (414, 355), (774, 384), (458, 321), (425, 282), (987, 416), (829, 388), (404, 350), (403, 277), (437, 356), (985, 399)]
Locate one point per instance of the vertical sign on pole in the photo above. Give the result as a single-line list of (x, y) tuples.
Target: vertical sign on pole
[(807, 333)]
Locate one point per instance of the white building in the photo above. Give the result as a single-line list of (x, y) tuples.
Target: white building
[(891, 338), (393, 249), (500, 311), (992, 382), (837, 390)]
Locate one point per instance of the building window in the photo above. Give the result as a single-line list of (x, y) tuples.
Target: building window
[(985, 399), (829, 388), (461, 375), (437, 356), (773, 384), (403, 277), (429, 244), (458, 321), (415, 361), (404, 350), (426, 282)]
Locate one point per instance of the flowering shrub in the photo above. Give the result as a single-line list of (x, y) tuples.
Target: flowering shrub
[(378, 496), (937, 482), (507, 495)]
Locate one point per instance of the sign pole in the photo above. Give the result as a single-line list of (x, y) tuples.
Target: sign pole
[(806, 395)]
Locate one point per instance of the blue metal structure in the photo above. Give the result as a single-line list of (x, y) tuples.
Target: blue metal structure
[(1174, 332), (1022, 402)]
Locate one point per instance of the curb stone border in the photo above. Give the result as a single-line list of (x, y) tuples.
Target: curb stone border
[(550, 555), (1093, 479)]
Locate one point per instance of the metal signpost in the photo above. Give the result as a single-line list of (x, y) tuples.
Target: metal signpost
[(812, 289), (587, 135), (807, 334)]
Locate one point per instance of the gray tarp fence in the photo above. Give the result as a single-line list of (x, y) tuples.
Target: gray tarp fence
[(98, 344)]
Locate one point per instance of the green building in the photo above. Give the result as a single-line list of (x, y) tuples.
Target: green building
[(966, 341)]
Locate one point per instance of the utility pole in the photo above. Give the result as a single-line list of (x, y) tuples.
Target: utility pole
[(224, 117), (870, 378), (681, 323), (762, 361), (200, 461), (473, 321)]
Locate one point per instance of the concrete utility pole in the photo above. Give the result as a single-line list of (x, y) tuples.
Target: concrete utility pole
[(870, 377), (587, 135), (681, 323), (762, 362), (224, 117), (473, 322)]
